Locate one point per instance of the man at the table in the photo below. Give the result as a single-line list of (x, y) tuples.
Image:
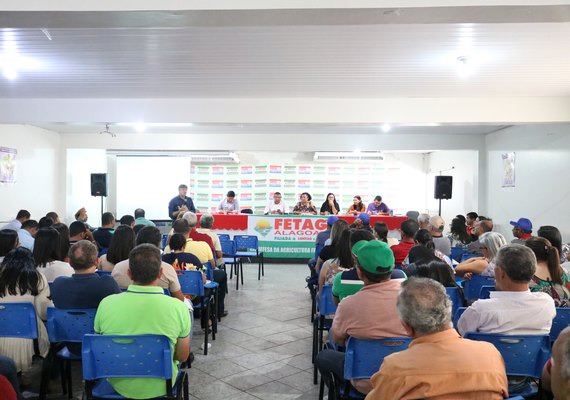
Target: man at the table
[(277, 205), (181, 203), (377, 207)]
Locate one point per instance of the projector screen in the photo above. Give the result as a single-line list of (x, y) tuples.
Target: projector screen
[(149, 183)]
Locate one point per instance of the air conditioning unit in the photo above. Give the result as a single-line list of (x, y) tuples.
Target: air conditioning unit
[(348, 156), (199, 157), (227, 158)]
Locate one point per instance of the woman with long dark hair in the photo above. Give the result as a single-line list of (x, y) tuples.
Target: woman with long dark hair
[(341, 262), (549, 276), (47, 254), (21, 282), (357, 206), (8, 241), (330, 205), (122, 242), (458, 235)]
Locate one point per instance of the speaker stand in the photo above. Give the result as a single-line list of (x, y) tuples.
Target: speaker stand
[(102, 205), (439, 213)]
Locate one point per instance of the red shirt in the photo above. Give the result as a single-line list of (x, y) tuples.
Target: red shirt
[(202, 237), (401, 250)]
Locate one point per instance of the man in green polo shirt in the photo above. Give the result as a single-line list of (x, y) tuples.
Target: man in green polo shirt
[(144, 309)]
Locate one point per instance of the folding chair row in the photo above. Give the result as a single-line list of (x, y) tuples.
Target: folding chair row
[(247, 246), (325, 307)]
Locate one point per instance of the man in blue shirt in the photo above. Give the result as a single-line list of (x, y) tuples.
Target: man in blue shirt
[(181, 203), (27, 234), (85, 288)]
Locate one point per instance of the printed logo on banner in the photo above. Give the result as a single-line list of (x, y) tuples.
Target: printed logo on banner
[(333, 184), (261, 169), (260, 182), (290, 169), (245, 183), (305, 169), (232, 170), (334, 170), (246, 170), (319, 169), (246, 197), (290, 197), (203, 169), (203, 184), (263, 227), (304, 183), (290, 183), (217, 196), (232, 183), (275, 169), (319, 184), (260, 196), (217, 170), (216, 184), (202, 196), (275, 183)]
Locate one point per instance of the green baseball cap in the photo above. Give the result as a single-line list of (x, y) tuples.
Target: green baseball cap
[(374, 256)]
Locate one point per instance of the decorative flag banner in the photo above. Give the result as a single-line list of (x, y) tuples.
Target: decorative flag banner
[(305, 169), (319, 169), (245, 183), (217, 170), (261, 196), (333, 184), (290, 183), (334, 170), (217, 197), (203, 197), (245, 197), (261, 169), (275, 169), (246, 170), (304, 183), (275, 183), (203, 169), (290, 169), (217, 184), (319, 184), (232, 170), (203, 184), (260, 182)]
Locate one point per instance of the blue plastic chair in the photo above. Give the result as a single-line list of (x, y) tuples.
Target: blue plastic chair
[(560, 322), (456, 297), (457, 314), (524, 355), (363, 358), (457, 253), (192, 283), (248, 246), (103, 273), (485, 292), (223, 236), (163, 241), (229, 251), (65, 327), (472, 287), (133, 356), (325, 306), (214, 286), (18, 320)]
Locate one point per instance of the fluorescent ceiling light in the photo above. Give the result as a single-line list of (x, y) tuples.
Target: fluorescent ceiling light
[(386, 128), (140, 127), (157, 124)]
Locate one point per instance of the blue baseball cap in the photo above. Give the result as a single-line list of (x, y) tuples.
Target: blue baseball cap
[(365, 218), (331, 220), (523, 223)]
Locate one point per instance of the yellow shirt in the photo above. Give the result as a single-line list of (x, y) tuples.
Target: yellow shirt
[(442, 366), (201, 250)]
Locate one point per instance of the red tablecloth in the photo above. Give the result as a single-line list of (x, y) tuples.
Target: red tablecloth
[(238, 222)]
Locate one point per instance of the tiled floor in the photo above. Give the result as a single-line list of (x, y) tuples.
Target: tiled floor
[(263, 347)]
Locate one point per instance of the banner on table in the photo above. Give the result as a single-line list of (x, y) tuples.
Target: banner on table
[(287, 228)]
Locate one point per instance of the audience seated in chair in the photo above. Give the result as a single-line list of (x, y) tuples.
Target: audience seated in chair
[(27, 234), (200, 249), (206, 223), (122, 242), (140, 218), (128, 220), (47, 254), (556, 373), (85, 288), (342, 262), (358, 315), (8, 241), (438, 363), (104, 234), (331, 250), (408, 229), (490, 242), (436, 227), (479, 228), (196, 236), (78, 230), (142, 309), (167, 279), (16, 223), (512, 308), (9, 374)]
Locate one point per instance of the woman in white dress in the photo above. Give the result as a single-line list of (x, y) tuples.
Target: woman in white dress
[(21, 282), (47, 255)]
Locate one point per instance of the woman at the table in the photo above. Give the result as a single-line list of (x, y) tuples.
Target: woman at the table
[(305, 206), (330, 206), (356, 207), (229, 205)]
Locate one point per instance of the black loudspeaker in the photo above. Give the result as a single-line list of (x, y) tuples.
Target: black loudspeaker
[(99, 185), (443, 187)]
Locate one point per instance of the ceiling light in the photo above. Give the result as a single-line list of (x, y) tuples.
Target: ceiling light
[(386, 128), (140, 127), (464, 69), (9, 73)]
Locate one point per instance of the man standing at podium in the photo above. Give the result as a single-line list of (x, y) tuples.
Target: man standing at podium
[(181, 203)]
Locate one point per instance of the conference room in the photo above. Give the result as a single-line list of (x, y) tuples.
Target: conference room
[(388, 98)]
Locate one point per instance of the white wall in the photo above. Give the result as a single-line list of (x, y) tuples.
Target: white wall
[(37, 172), (465, 193), (542, 165)]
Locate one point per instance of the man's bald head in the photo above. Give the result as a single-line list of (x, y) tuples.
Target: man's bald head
[(560, 371)]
